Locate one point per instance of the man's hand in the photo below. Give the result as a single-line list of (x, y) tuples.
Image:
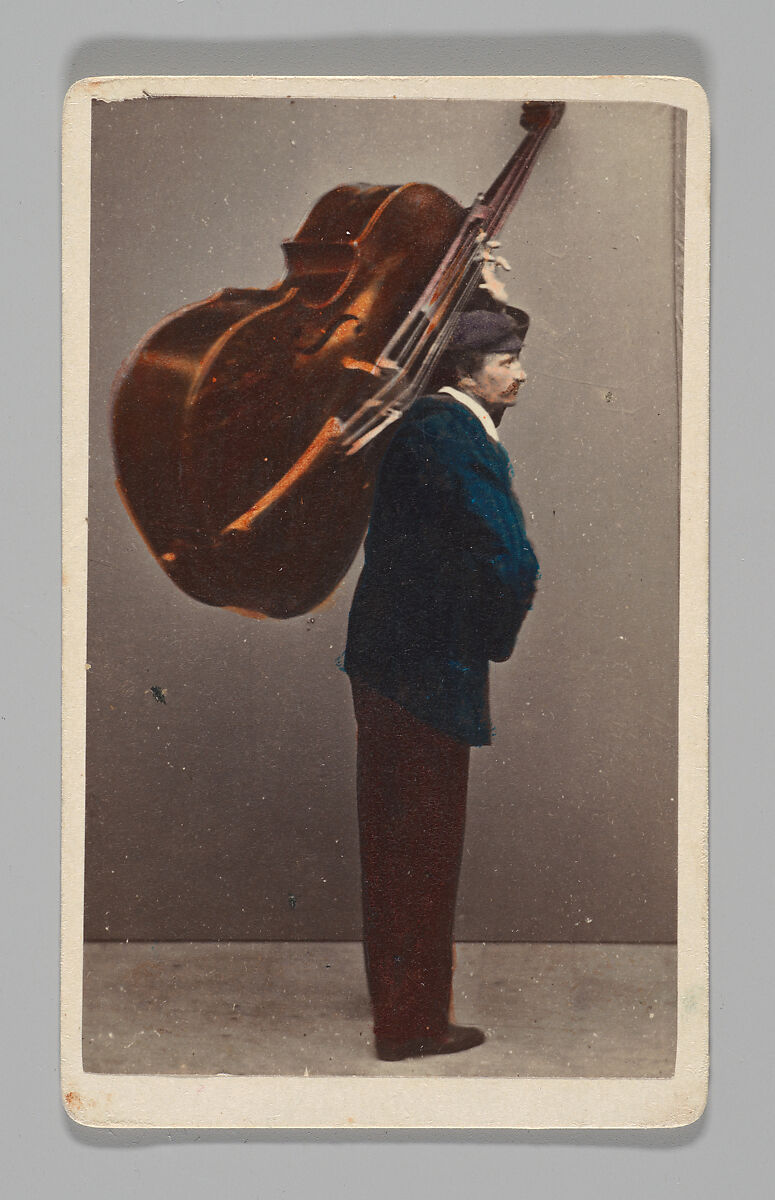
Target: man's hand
[(490, 264)]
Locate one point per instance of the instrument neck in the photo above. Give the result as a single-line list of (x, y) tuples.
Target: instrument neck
[(459, 273), (505, 190), (414, 351)]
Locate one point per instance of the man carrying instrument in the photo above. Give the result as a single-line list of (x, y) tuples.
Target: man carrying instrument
[(448, 579)]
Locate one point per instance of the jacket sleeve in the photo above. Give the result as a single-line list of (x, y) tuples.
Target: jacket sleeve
[(507, 567), (485, 527)]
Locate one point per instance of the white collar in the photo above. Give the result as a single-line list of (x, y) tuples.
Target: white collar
[(476, 408)]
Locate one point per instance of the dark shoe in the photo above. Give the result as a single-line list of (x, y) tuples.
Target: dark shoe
[(455, 1039)]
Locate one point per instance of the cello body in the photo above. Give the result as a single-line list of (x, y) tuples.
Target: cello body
[(222, 398)]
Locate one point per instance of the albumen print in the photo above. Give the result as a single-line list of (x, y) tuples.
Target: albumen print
[(385, 430)]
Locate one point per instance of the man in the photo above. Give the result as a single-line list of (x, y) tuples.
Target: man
[(448, 579)]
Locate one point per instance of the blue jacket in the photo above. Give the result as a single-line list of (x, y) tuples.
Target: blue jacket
[(449, 573)]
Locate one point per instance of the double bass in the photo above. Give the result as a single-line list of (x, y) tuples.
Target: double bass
[(248, 428)]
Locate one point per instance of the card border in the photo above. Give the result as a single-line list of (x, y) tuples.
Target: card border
[(273, 1102)]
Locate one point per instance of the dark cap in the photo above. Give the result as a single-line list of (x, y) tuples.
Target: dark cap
[(484, 332)]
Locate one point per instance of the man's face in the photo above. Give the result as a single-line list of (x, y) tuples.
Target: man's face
[(496, 383)]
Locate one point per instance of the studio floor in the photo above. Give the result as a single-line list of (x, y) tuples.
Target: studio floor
[(296, 1008)]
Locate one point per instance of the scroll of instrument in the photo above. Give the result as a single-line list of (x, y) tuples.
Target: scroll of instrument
[(248, 428)]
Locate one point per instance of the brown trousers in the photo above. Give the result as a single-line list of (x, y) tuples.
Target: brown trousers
[(412, 784)]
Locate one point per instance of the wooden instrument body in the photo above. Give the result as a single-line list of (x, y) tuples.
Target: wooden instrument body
[(223, 397)]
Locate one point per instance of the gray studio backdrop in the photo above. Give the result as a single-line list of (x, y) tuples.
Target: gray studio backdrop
[(227, 812)]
